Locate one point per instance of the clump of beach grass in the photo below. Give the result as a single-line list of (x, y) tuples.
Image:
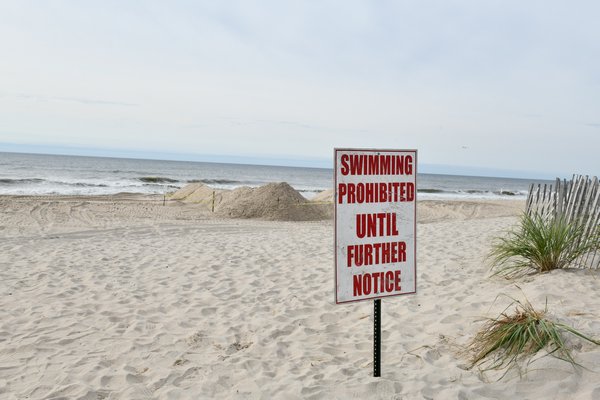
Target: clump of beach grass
[(503, 342), (542, 244)]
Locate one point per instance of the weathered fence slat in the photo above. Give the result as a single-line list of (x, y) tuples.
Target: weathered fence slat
[(592, 224)]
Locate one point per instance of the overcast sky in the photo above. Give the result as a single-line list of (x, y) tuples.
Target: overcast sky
[(511, 85)]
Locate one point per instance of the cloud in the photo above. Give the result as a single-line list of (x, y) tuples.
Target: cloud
[(79, 100), (94, 101)]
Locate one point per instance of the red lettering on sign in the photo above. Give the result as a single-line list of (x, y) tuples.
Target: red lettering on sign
[(378, 192), (378, 224), (344, 162), (376, 282), (376, 253), (376, 164)]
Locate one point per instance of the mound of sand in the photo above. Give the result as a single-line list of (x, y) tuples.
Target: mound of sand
[(185, 191), (326, 196), (198, 193), (436, 210), (275, 202)]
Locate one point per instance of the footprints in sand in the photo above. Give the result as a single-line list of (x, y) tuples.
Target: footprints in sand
[(207, 311), (227, 309), (50, 215)]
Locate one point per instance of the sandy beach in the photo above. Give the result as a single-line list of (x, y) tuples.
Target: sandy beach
[(122, 297)]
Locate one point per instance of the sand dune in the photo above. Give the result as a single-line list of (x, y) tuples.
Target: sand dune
[(273, 202), (120, 297)]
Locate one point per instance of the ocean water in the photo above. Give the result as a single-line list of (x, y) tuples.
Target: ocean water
[(37, 174)]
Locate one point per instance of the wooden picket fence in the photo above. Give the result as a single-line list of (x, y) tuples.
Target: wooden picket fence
[(577, 200)]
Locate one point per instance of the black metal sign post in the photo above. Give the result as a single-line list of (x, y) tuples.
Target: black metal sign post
[(377, 338)]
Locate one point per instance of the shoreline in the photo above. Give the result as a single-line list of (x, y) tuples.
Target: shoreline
[(155, 197), (316, 193)]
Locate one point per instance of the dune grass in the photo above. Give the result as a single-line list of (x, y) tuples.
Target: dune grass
[(542, 244), (504, 341)]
